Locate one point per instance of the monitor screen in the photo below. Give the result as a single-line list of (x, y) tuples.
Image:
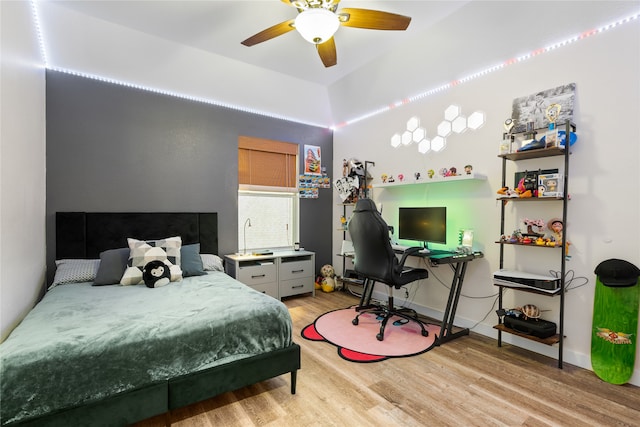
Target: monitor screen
[(427, 224)]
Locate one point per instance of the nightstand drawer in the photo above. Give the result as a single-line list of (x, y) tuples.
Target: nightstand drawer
[(270, 289), (296, 286), (255, 274), (296, 269)]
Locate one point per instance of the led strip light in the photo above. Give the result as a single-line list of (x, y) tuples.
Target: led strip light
[(492, 69), (365, 116)]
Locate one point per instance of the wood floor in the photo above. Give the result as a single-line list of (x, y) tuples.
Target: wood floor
[(466, 382)]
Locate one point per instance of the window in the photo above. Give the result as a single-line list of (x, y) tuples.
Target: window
[(267, 220), (267, 196)]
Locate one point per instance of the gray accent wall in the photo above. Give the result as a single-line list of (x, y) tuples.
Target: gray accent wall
[(114, 148)]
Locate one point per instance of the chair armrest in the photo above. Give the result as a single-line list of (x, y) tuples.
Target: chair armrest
[(408, 252)]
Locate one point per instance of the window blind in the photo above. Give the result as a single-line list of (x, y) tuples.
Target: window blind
[(264, 162)]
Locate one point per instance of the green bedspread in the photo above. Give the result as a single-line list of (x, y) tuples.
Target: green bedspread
[(84, 343)]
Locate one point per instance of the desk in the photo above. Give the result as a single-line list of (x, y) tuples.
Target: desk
[(458, 264)]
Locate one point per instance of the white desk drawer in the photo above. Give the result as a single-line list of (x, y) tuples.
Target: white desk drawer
[(296, 269), (296, 286), (255, 274)]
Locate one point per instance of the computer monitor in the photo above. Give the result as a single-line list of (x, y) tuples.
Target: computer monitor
[(424, 224)]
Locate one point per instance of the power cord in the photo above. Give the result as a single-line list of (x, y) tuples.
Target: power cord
[(431, 272), (410, 294), (494, 296), (493, 306), (569, 278)]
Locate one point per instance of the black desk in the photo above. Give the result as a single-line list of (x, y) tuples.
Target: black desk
[(458, 264)]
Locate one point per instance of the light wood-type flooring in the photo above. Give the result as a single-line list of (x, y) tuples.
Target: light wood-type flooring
[(466, 382)]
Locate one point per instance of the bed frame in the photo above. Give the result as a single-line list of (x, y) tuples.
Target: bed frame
[(85, 235)]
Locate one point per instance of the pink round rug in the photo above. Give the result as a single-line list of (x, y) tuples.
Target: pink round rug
[(358, 343)]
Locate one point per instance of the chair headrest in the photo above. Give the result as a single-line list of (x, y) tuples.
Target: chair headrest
[(364, 205)]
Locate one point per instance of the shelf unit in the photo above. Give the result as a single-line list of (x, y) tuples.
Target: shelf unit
[(345, 233), (538, 154)]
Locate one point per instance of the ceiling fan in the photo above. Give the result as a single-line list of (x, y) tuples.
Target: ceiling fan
[(318, 20)]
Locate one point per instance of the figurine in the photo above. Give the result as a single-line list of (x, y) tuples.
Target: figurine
[(417, 176), (530, 223), (468, 169), (430, 173), (384, 177), (557, 228)]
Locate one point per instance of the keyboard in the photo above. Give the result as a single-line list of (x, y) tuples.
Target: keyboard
[(402, 248)]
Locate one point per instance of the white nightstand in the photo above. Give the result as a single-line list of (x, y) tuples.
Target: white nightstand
[(279, 275)]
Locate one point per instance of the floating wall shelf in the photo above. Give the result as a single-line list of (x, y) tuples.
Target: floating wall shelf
[(434, 180)]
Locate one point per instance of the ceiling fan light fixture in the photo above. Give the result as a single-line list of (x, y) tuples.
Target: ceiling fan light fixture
[(317, 25)]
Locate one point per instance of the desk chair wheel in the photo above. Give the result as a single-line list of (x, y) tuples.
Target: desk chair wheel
[(380, 337), (355, 321), (425, 333)]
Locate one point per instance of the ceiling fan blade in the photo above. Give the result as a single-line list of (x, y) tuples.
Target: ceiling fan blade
[(327, 52), (372, 19), (269, 33)]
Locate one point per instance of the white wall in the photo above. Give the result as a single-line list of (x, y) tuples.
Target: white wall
[(22, 163), (604, 209)]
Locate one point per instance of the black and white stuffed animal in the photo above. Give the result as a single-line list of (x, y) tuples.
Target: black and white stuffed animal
[(155, 274)]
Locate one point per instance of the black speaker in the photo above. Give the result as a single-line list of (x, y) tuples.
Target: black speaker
[(536, 327)]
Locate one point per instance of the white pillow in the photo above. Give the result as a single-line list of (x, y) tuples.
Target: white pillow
[(75, 271), (211, 262), (165, 250)]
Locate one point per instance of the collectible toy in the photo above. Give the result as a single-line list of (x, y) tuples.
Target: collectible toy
[(156, 274), (328, 273)]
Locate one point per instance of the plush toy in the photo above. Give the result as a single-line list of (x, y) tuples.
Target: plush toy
[(507, 192), (155, 274), (528, 185), (328, 283)]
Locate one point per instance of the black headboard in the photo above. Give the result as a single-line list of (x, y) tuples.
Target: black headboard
[(86, 234)]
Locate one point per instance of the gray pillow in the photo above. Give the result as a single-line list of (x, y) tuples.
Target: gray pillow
[(112, 265), (74, 271), (212, 262), (191, 262)]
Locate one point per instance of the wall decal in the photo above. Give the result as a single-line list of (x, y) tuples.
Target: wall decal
[(454, 122)]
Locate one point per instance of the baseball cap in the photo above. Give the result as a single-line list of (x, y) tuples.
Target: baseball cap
[(617, 272)]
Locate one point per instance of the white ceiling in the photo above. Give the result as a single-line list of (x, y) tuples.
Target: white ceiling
[(193, 48)]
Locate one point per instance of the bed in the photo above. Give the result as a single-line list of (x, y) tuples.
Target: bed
[(113, 355)]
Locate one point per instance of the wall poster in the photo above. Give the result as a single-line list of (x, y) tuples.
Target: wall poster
[(530, 112), (312, 160)]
